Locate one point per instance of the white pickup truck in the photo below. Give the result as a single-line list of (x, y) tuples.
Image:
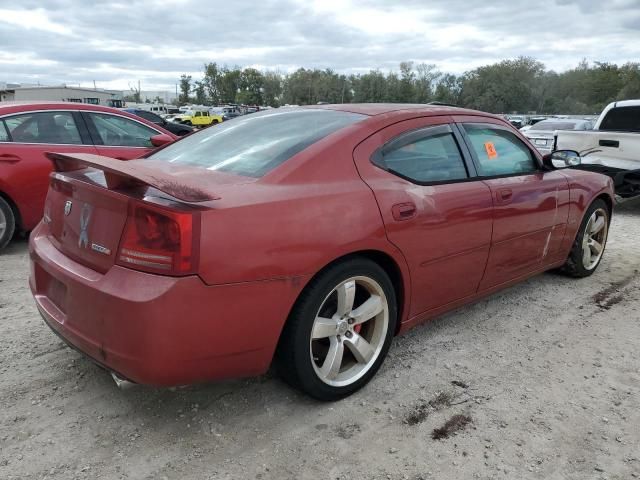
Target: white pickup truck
[(612, 147)]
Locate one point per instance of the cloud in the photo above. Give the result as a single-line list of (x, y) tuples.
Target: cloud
[(117, 43)]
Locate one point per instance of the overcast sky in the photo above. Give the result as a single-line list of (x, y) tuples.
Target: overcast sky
[(119, 43)]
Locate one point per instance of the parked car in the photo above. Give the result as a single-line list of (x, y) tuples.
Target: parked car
[(197, 118), (612, 147), (542, 133), (309, 236), (29, 130), (178, 129)]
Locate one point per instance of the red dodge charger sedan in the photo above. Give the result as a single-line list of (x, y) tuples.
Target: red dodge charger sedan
[(29, 130), (307, 237)]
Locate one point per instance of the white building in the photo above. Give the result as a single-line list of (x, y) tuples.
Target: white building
[(108, 98)]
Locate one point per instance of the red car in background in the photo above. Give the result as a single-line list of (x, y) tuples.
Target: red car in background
[(29, 130), (311, 235)]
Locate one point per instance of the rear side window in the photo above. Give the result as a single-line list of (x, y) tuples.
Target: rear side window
[(499, 152), (424, 156), (253, 145), (121, 132), (622, 119), (44, 127)]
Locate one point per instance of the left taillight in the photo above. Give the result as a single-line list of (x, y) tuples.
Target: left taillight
[(159, 240)]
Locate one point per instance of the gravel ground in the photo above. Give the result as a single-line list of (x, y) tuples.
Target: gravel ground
[(541, 381)]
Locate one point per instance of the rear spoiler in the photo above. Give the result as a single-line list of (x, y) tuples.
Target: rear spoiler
[(127, 174)]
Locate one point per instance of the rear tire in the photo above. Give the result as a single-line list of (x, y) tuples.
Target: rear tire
[(588, 247), (7, 223), (339, 331)]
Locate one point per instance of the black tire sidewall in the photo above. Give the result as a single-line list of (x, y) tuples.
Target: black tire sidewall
[(299, 370), (11, 223)]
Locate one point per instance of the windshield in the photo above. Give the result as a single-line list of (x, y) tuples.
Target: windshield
[(253, 145), (550, 126)]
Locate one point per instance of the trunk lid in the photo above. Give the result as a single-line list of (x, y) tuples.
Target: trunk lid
[(89, 198)]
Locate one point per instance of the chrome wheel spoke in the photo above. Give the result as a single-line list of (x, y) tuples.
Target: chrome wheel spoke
[(369, 309), (597, 226), (346, 294), (324, 327), (332, 362), (596, 247), (586, 254), (362, 350)]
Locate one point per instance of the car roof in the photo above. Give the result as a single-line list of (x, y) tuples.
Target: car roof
[(373, 109), (19, 107)]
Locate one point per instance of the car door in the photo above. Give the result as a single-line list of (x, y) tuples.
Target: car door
[(433, 208), (531, 204), (24, 168), (118, 136)]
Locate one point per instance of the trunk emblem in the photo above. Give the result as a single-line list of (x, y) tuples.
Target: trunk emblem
[(100, 249), (85, 216), (67, 207)]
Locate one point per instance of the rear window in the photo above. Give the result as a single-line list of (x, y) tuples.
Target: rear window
[(550, 126), (622, 119), (253, 145)]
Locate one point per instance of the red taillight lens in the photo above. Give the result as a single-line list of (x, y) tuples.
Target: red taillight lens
[(159, 240)]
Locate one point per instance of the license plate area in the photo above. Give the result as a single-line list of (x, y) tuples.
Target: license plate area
[(51, 288)]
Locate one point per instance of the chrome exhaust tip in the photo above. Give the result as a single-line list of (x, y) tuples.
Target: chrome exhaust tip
[(121, 383)]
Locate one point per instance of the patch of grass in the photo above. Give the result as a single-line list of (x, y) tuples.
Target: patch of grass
[(454, 424)]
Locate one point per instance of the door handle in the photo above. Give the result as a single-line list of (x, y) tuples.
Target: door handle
[(404, 211), (9, 158), (504, 195), (609, 143)]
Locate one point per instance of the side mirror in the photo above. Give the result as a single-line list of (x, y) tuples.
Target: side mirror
[(562, 159), (160, 140)]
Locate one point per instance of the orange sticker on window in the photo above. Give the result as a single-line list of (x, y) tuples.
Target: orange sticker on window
[(491, 150)]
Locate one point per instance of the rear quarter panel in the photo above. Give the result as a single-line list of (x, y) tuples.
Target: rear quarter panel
[(294, 222)]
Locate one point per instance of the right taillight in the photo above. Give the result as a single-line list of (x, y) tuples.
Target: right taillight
[(159, 240)]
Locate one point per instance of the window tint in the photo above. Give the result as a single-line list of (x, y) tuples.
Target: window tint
[(431, 158), (44, 127), (120, 131), (4, 135), (622, 119), (255, 144), (152, 117), (499, 152)]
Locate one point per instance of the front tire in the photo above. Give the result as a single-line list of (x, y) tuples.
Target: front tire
[(7, 223), (339, 331), (590, 242)]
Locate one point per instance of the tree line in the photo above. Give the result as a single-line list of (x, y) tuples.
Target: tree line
[(520, 85)]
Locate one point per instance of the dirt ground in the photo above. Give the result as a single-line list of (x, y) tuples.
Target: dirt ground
[(542, 381)]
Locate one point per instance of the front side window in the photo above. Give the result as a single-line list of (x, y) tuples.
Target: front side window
[(499, 152), (121, 132), (425, 156), (254, 145), (44, 127)]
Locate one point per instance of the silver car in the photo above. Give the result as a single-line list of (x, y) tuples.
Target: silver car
[(542, 133)]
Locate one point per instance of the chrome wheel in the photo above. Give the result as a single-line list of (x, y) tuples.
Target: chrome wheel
[(349, 331), (594, 239)]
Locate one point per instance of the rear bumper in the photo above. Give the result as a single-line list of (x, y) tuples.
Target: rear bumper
[(159, 330)]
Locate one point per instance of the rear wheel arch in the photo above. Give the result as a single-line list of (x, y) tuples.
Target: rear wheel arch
[(386, 262)]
